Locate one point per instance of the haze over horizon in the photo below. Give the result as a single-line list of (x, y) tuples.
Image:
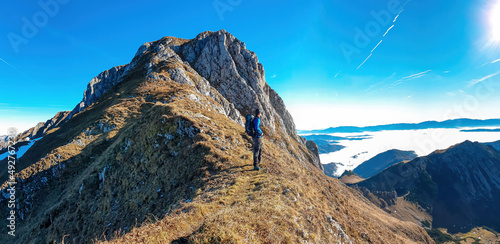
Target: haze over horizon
[(341, 63)]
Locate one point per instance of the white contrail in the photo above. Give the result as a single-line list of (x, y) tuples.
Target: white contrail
[(395, 18), (407, 78), (475, 81), (414, 75), (364, 61), (401, 81), (387, 31), (376, 46), (9, 64), (492, 62)]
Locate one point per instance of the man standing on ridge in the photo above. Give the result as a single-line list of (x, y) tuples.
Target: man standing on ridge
[(257, 140)]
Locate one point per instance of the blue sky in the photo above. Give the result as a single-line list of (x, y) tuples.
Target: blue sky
[(436, 62)]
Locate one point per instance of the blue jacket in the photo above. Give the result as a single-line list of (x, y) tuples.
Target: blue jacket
[(256, 126)]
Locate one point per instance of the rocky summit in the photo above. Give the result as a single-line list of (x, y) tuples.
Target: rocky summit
[(156, 153), (219, 66)]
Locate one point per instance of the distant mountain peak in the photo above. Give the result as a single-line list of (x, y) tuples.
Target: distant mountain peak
[(383, 160)]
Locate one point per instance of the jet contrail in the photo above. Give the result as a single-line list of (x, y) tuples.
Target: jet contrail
[(364, 61), (376, 46), (388, 30), (475, 81), (414, 75), (492, 62), (396, 18), (10, 65), (410, 77)]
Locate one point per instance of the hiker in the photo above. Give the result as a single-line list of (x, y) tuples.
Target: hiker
[(257, 140), (252, 128)]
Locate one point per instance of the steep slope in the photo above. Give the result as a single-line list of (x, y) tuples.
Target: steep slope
[(381, 161), (459, 187), (155, 153)]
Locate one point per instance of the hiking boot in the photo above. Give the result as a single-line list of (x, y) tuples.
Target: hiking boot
[(256, 168)]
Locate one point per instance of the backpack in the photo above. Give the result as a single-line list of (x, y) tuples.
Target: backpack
[(249, 128)]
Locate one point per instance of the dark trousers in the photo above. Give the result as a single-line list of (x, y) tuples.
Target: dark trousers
[(257, 150)]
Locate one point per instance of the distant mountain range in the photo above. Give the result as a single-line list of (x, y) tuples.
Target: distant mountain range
[(447, 124), (480, 130), (336, 138), (383, 160)]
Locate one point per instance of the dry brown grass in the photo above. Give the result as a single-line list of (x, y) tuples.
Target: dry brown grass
[(408, 211)]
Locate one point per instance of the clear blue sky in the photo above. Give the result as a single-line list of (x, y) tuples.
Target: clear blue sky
[(436, 62)]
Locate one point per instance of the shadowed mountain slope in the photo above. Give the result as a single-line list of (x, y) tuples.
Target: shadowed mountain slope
[(381, 161), (459, 186)]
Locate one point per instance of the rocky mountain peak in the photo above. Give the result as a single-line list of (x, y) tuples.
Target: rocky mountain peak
[(232, 69), (217, 64), (223, 62)]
